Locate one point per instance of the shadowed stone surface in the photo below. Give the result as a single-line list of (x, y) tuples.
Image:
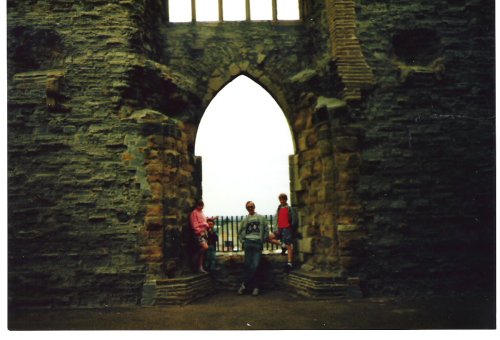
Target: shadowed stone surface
[(269, 311)]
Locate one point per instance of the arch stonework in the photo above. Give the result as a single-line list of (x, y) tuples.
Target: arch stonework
[(393, 164), (324, 169), (221, 77)]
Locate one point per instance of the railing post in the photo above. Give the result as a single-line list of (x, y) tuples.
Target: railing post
[(228, 233), (267, 219), (237, 236), (271, 229), (232, 233), (218, 234)]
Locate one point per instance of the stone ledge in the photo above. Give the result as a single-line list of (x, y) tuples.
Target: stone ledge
[(176, 291), (35, 87), (323, 285)]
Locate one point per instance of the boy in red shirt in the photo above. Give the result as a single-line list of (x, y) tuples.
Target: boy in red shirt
[(286, 221)]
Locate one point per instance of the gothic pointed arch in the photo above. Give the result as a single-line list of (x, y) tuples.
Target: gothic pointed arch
[(245, 127), (220, 78)]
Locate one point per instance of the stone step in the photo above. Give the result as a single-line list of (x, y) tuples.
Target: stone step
[(323, 285), (176, 291), (185, 289)]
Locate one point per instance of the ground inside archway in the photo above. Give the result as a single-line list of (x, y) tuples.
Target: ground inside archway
[(272, 310)]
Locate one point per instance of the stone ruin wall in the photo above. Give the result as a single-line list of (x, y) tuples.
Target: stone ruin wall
[(393, 171), (427, 178), (89, 152)]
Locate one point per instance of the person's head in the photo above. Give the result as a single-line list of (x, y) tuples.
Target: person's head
[(200, 205), (211, 223), (283, 198), (250, 207)]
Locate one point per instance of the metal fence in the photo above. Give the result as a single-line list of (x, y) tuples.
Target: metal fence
[(227, 227)]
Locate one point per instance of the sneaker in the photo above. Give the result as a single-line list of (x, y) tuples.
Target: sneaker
[(288, 268), (255, 292), (283, 251), (241, 290)]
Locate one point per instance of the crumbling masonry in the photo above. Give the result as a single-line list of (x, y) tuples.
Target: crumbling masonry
[(391, 107)]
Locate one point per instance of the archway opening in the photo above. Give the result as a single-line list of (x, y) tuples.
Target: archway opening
[(244, 140)]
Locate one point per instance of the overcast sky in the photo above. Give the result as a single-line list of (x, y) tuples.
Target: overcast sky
[(244, 140)]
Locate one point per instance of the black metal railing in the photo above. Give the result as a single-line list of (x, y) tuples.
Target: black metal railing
[(227, 227)]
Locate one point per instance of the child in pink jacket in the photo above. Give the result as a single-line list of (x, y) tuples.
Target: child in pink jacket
[(199, 224)]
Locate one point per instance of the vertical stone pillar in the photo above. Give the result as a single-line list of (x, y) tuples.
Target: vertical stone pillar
[(293, 170), (144, 158), (314, 189), (346, 153), (163, 167), (328, 162), (328, 209), (181, 182)]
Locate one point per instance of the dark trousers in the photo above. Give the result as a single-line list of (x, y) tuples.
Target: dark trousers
[(210, 259), (253, 253)]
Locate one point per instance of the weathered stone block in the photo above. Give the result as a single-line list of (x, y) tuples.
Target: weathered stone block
[(306, 245)]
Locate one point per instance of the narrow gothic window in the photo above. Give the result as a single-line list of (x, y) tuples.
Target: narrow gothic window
[(207, 10), (261, 10), (234, 10), (288, 9), (179, 10)]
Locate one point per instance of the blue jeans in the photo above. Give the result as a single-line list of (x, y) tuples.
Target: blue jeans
[(253, 253)]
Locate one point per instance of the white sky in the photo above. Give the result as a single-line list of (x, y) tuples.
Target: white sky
[(244, 140)]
